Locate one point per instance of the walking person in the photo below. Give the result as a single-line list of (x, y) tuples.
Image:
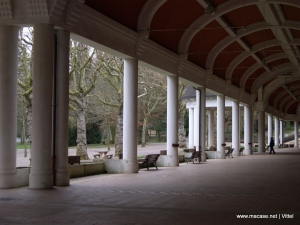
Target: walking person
[(271, 146)]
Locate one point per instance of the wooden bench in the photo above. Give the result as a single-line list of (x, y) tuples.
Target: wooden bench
[(109, 156), (196, 155), (229, 153), (97, 156), (241, 151), (149, 160), (73, 159)]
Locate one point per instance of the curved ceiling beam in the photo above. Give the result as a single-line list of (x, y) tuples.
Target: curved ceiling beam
[(274, 85), (279, 96), (241, 33), (256, 66), (296, 41), (282, 94), (210, 60), (265, 77), (222, 9), (298, 109), (232, 66), (292, 101), (146, 15), (284, 101), (205, 19)]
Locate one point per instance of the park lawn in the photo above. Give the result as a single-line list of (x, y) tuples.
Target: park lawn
[(21, 146), (93, 146)]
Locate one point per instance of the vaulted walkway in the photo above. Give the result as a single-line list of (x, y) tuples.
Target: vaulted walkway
[(208, 193)]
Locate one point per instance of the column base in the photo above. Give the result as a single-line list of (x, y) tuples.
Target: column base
[(121, 166), (130, 166), (236, 153), (167, 160), (62, 179), (203, 156), (40, 181), (247, 152), (215, 155), (8, 179), (260, 150)]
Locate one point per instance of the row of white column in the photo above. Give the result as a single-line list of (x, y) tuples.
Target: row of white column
[(248, 128), (50, 160), (279, 131), (42, 154), (193, 127)]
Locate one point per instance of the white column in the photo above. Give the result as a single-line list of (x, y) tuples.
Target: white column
[(172, 120), (8, 104), (282, 133), (197, 121), (296, 132), (221, 125), (236, 128), (203, 122), (41, 174), (270, 127), (247, 130), (252, 128), (62, 177), (211, 136), (261, 131), (130, 115), (276, 139), (191, 127)]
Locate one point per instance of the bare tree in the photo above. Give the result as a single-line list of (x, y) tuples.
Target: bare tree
[(112, 76), (152, 87), (181, 112), (25, 76), (85, 63)]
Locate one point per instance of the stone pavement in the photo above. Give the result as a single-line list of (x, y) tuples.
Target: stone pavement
[(214, 192)]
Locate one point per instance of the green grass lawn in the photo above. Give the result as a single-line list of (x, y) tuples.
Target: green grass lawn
[(93, 146), (21, 146)]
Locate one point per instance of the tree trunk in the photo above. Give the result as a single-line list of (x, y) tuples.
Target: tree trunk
[(181, 133), (29, 121), (119, 133), (24, 136), (144, 131), (108, 137), (81, 131), (29, 126)]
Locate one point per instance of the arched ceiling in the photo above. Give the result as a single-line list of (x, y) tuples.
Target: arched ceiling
[(249, 43)]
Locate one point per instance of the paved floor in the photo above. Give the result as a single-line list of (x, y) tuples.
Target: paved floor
[(214, 192)]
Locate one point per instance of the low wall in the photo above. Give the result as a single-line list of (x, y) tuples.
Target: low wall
[(120, 166), (22, 176), (97, 167), (214, 155), (83, 170)]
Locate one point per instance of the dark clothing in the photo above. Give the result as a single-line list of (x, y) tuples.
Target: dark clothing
[(271, 146)]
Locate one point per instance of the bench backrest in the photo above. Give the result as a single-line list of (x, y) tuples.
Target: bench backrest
[(151, 158), (196, 154)]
